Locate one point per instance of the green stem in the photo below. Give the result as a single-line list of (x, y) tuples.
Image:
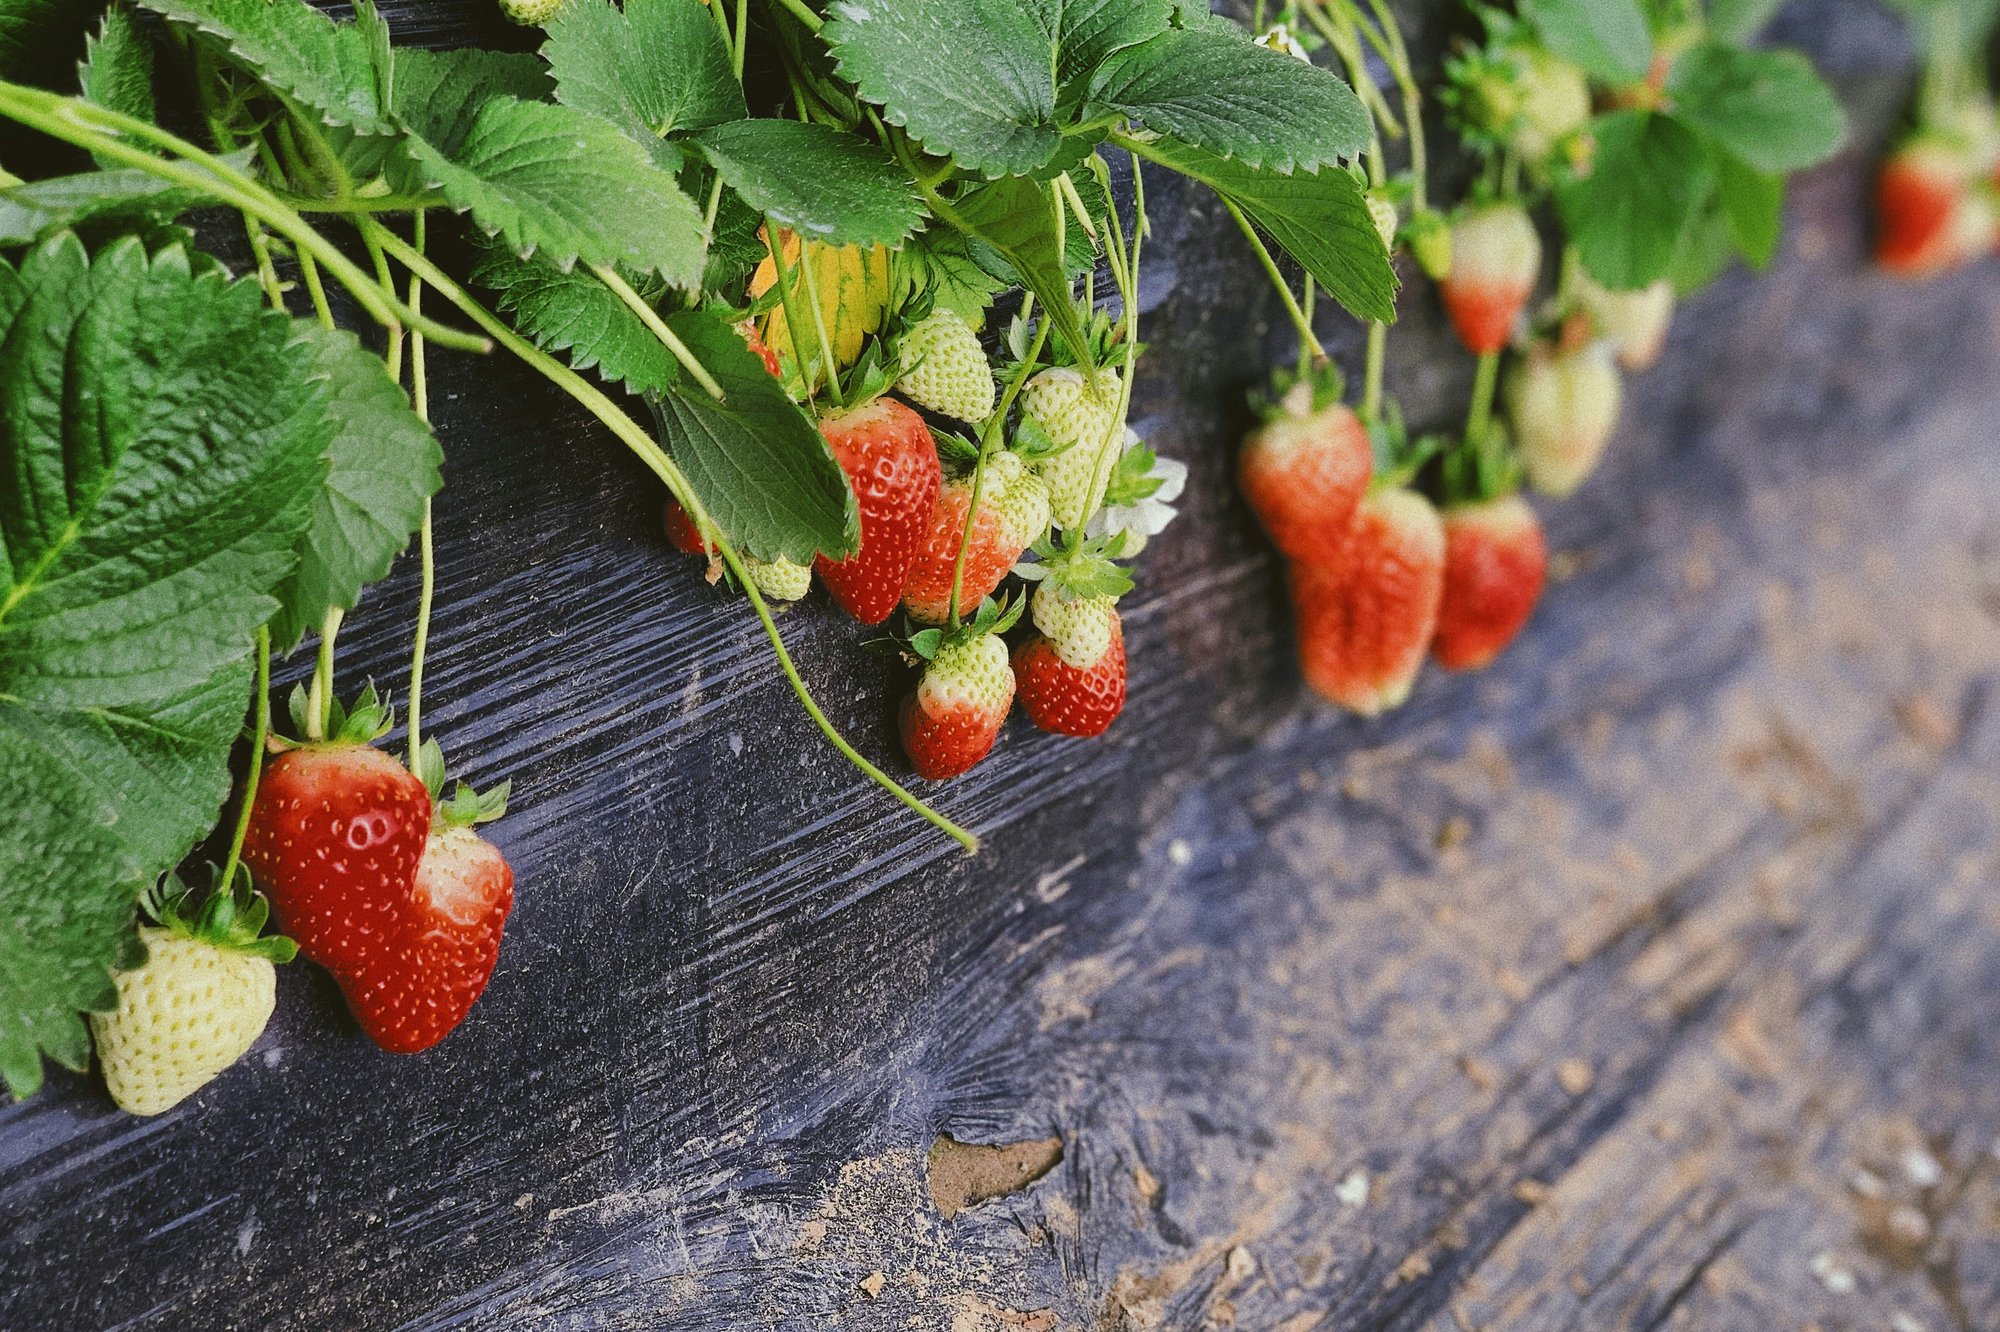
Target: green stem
[(798, 10), (649, 452), (320, 717), (1125, 275), (826, 357), (965, 537), (650, 317), (1371, 383), (1480, 418), (742, 42), (98, 130), (997, 422), (1270, 265), (260, 727), (788, 302), (309, 270), (392, 356), (420, 398), (357, 203), (1306, 304)]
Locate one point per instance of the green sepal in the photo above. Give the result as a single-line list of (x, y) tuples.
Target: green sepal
[(1081, 568), (1328, 385), (1398, 458), (1474, 471), (1132, 478), (464, 807), (231, 916)]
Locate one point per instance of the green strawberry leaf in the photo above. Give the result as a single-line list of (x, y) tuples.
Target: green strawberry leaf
[(39, 39), (991, 107), (823, 183), (544, 178), (1609, 39), (760, 468), (382, 465), (655, 68), (1737, 21), (1753, 206), (575, 313), (99, 802), (123, 197), (938, 264), (325, 67), (1646, 186), (1016, 217), (1767, 107), (1089, 32), (1320, 218), (163, 433), (1209, 87), (117, 68)]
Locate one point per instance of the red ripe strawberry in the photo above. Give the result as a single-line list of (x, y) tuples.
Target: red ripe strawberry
[(995, 547), (892, 463), (1305, 470), (1496, 255), (953, 718), (1366, 617), (1919, 196), (1495, 561), (410, 996), (682, 531), (755, 340), (335, 835), (1071, 674)]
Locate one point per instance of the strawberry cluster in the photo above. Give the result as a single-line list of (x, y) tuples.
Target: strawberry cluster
[(1054, 489), (1937, 196)]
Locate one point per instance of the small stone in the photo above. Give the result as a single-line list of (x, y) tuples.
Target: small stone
[(1532, 1192), (1832, 1274), (1180, 852), (1867, 1184), (1902, 1322), (871, 1285), (1241, 1265), (1909, 1226), (1575, 1076), (1353, 1190), (1921, 1168)]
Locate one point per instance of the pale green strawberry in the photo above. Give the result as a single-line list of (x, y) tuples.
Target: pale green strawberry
[(1023, 498), (531, 13), (780, 580), (1081, 415), (200, 999), (1383, 212), (1079, 627), (947, 370)]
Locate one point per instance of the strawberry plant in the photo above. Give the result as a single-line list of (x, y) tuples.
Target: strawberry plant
[(1937, 199), (212, 470)]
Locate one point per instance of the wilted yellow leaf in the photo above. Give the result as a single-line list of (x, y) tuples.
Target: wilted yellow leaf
[(853, 289)]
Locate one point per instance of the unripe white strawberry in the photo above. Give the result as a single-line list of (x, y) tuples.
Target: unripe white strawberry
[(1079, 627), (1564, 407), (1496, 255), (1080, 414), (1633, 322), (1023, 500), (946, 369), (531, 13), (184, 1016), (780, 580), (1554, 103), (1383, 213), (951, 721)]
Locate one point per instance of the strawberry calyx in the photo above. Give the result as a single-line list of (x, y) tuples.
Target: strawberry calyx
[(464, 807), (1398, 457), (993, 617), (1475, 471), (1081, 568), (368, 720), (230, 916), (1300, 394)]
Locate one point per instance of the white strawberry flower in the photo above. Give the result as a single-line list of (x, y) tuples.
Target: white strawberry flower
[(1145, 518), (1281, 38)]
